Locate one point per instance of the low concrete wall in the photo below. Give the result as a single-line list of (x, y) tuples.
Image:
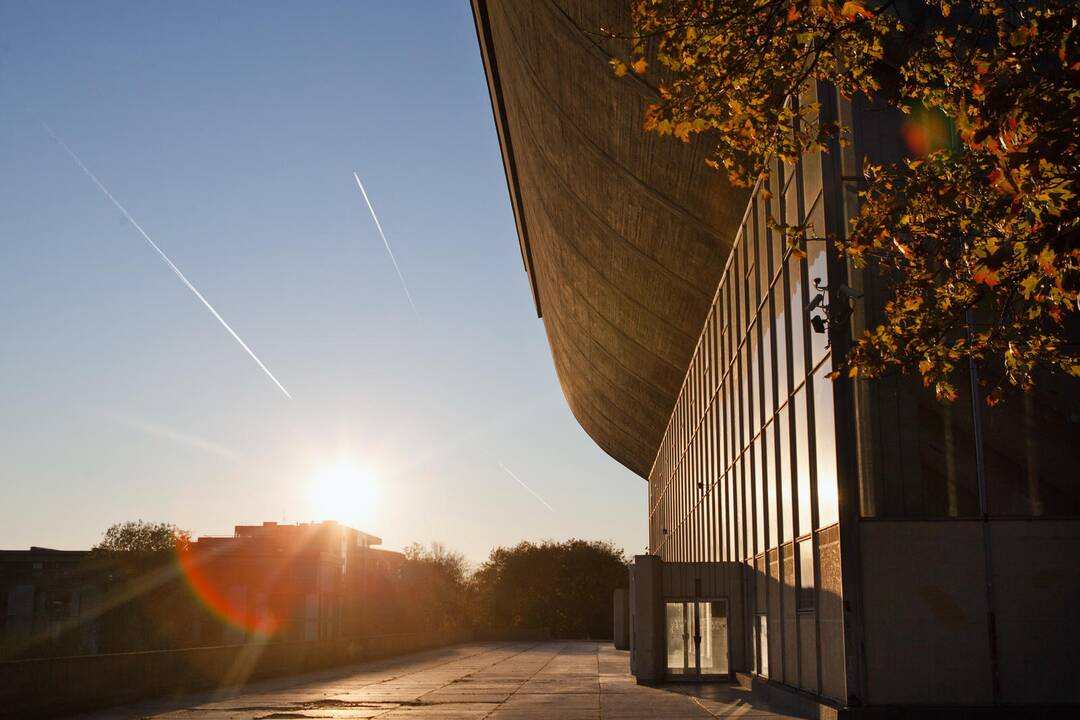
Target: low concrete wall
[(52, 687)]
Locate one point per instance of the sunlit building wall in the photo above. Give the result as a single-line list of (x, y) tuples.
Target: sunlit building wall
[(747, 468), (896, 548), (859, 543)]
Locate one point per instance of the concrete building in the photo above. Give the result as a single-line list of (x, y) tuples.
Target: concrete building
[(845, 545), (289, 583), (43, 592), (302, 582)]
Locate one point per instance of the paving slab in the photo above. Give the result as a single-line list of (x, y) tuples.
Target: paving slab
[(481, 681)]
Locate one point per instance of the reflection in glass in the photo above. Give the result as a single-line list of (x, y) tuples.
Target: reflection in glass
[(770, 494), (763, 645), (714, 637), (798, 319), (767, 383), (802, 461), (804, 599), (680, 648), (816, 268), (697, 638), (783, 474), (779, 302), (825, 447), (759, 495)]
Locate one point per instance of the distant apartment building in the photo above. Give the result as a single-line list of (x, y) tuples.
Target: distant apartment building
[(854, 545), (286, 583), (309, 581), (43, 593)]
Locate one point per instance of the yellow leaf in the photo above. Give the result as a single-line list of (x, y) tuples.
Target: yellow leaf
[(619, 66), (640, 65)]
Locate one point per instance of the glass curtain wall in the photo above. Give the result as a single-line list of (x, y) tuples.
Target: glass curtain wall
[(747, 468)]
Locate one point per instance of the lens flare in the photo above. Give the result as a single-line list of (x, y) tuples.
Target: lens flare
[(925, 130), (345, 492), (210, 576)]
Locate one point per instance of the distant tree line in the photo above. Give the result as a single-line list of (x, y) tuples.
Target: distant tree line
[(134, 595), (562, 588)]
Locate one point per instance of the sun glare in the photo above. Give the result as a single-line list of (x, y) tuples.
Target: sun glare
[(344, 492)]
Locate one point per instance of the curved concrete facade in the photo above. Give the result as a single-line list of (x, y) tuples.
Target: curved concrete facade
[(623, 233)]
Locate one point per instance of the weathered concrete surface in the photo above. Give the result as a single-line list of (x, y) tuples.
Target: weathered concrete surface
[(623, 233), (499, 681)]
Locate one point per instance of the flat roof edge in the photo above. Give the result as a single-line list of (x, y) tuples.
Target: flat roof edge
[(498, 110)]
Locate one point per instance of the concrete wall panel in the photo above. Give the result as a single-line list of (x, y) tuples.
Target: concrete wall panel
[(1037, 594), (925, 621), (624, 233)]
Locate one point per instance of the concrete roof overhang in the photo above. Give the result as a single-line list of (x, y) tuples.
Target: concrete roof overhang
[(623, 234)]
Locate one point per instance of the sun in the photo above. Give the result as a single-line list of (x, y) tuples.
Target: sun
[(345, 492)]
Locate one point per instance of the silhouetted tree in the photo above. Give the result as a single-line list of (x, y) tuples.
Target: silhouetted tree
[(565, 587), (433, 587), (143, 536)]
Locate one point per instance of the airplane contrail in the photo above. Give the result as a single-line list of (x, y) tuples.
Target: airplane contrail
[(165, 257), (168, 433), (522, 483), (374, 217)]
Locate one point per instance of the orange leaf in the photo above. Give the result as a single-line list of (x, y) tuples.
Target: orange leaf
[(853, 9)]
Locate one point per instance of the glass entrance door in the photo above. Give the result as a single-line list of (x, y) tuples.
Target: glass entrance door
[(697, 639)]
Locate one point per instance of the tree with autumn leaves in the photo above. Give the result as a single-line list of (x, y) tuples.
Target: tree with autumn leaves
[(979, 236)]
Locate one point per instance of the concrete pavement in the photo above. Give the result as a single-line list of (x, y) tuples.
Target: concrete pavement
[(494, 681)]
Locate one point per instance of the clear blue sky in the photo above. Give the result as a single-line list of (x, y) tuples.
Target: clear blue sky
[(230, 131)]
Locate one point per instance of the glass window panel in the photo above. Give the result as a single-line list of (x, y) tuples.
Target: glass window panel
[(752, 276), (681, 657), (825, 448), (777, 241), (713, 521), (713, 630), (802, 460), (736, 516), (736, 407), (759, 486), (816, 268), (759, 495), (763, 645), (732, 512), (784, 472), (710, 445), (721, 432), (765, 265), (725, 300), (753, 421), (804, 598), (780, 335), (770, 495), (746, 258), (797, 320), (733, 417), (737, 290), (725, 513), (765, 320), (1030, 449)]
